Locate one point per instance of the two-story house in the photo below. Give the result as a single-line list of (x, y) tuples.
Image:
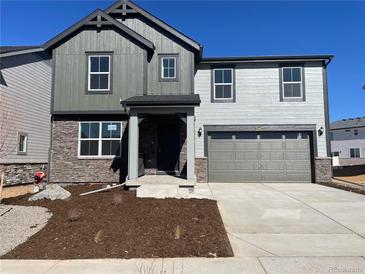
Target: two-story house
[(25, 96), (348, 141), (130, 90)]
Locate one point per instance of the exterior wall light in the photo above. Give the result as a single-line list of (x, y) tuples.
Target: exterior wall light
[(320, 131), (200, 130)]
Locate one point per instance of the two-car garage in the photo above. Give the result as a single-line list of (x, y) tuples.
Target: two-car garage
[(259, 156)]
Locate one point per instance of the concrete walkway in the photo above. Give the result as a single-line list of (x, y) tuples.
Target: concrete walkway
[(273, 228)]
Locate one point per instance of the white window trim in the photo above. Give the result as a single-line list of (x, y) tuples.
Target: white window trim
[(89, 72), (99, 139), (223, 84), (162, 67), (294, 82), (25, 147), (354, 149)]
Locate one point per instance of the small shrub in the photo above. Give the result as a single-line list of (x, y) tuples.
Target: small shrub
[(117, 199), (177, 232), (73, 215)]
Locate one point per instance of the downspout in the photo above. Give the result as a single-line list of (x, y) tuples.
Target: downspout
[(326, 106)]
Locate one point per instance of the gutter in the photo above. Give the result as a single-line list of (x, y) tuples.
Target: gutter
[(20, 52)]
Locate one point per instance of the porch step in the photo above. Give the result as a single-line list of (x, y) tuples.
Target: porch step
[(161, 180), (162, 191)]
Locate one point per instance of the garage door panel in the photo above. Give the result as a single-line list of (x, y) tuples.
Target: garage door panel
[(298, 177), (247, 176), (272, 155), (222, 155), (298, 165), (299, 145), (297, 155), (272, 165), (246, 145), (246, 165), (222, 176), (270, 145), (247, 155), (259, 157), (221, 146), (223, 165), (273, 176)]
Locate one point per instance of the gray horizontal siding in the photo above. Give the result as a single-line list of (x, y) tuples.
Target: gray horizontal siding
[(258, 101), (28, 93)]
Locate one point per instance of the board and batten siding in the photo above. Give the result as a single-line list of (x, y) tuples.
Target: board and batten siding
[(258, 101), (165, 45), (127, 68), (70, 93), (28, 96)]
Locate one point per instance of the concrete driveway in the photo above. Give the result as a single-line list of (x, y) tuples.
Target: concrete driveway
[(291, 219)]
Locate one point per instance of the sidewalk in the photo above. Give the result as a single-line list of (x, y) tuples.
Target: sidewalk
[(279, 265)]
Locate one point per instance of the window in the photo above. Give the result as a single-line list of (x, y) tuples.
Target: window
[(356, 132), (292, 83), (100, 139), (335, 154), (168, 70), (223, 89), (99, 72), (22, 143), (354, 152), (168, 67)]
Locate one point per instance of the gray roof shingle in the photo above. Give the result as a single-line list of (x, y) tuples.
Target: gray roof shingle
[(348, 123), (155, 100), (7, 49)]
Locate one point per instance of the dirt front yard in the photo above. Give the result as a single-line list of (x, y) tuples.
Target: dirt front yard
[(352, 174), (116, 224)]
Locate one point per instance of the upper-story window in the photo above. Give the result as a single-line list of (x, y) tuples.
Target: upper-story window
[(223, 85), (99, 69), (292, 84), (168, 67)]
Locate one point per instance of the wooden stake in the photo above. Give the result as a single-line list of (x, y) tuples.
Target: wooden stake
[(102, 189), (1, 184)]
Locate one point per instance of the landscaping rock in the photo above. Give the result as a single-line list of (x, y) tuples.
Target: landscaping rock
[(52, 192)]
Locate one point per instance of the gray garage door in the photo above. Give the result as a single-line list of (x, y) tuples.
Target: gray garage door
[(259, 157)]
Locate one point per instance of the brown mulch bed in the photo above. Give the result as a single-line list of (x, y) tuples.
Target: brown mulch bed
[(116, 224)]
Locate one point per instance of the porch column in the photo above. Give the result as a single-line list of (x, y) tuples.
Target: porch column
[(133, 146), (190, 140)]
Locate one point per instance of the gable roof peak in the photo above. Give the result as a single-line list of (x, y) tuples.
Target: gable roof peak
[(98, 15), (125, 7)]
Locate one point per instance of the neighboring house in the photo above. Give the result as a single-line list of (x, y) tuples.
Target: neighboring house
[(25, 92), (348, 141), (128, 90)]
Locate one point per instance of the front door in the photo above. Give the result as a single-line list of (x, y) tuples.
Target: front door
[(168, 147)]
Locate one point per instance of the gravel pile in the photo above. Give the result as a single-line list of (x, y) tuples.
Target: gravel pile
[(18, 223)]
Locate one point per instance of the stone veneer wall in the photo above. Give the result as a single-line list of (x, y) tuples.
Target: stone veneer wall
[(16, 174), (201, 169), (65, 165), (323, 169)]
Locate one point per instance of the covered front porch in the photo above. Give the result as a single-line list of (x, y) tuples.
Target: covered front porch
[(161, 139)]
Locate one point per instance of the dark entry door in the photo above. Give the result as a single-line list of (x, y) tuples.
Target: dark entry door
[(168, 147)]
